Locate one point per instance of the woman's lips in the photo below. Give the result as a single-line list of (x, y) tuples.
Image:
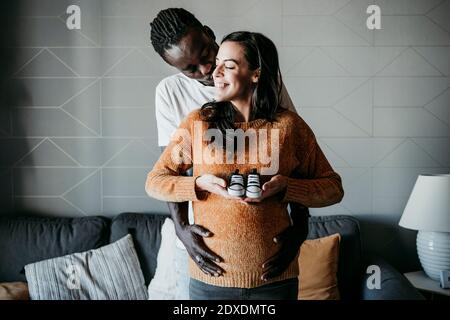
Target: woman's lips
[(220, 85)]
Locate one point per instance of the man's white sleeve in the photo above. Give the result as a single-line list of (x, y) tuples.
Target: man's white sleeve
[(164, 116)]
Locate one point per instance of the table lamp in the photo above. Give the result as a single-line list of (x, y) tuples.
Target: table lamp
[(428, 211)]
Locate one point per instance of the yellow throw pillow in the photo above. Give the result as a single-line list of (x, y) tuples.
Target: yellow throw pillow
[(14, 291), (318, 263)]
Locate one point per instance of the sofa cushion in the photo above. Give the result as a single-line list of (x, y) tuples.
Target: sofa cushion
[(111, 272), (350, 268), (14, 291), (27, 239), (146, 232), (318, 265)]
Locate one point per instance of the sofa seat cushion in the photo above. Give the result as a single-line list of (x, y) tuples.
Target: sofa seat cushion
[(27, 239)]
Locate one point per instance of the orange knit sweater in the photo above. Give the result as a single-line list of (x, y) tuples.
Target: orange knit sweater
[(243, 233)]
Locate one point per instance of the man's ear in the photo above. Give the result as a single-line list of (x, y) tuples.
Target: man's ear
[(256, 75), (209, 32)]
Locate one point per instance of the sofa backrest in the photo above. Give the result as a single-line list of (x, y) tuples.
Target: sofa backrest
[(27, 239), (350, 252)]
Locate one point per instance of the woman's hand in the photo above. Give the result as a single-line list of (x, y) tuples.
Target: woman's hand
[(275, 185), (213, 184)]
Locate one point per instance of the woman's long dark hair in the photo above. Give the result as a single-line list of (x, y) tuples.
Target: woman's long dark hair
[(260, 52)]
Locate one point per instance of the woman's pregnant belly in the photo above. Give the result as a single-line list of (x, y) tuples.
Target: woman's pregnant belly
[(242, 233)]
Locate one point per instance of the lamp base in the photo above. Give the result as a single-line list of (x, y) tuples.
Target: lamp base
[(433, 249)]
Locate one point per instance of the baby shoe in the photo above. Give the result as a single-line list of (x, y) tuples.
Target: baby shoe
[(253, 185), (236, 186)]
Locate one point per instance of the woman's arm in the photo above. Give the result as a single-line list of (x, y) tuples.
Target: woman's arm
[(166, 184), (165, 181), (319, 185)]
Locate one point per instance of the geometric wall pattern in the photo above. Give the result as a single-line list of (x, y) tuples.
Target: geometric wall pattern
[(78, 133)]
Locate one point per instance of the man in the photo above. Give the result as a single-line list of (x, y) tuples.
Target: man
[(186, 44)]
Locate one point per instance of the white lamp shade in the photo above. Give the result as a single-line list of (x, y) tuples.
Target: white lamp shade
[(428, 207)]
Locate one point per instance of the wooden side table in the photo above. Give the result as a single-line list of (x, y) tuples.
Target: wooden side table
[(429, 287)]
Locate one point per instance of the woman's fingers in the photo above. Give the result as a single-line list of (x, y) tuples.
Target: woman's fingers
[(267, 186), (219, 181), (220, 191), (253, 200)]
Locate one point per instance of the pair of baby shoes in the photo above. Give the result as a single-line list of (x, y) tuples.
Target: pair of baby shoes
[(237, 186)]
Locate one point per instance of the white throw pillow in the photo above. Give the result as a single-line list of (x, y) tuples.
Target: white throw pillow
[(163, 286), (111, 272)]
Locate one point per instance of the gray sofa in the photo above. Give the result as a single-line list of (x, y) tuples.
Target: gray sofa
[(26, 239)]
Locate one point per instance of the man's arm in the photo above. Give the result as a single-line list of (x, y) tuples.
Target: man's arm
[(192, 237), (179, 211), (317, 184)]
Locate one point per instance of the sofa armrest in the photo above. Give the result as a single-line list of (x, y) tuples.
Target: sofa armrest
[(393, 285)]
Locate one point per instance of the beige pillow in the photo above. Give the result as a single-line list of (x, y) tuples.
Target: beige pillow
[(318, 262), (14, 291)]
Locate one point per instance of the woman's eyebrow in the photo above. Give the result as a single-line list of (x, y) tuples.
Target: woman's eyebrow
[(233, 60)]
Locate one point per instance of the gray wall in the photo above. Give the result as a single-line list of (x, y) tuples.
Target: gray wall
[(78, 131)]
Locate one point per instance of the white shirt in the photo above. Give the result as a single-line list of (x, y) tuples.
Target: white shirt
[(176, 96)]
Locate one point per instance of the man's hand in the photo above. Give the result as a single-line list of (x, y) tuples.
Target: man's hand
[(275, 185), (191, 236), (289, 241)]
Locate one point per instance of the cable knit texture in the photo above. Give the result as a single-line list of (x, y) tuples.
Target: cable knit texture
[(243, 233)]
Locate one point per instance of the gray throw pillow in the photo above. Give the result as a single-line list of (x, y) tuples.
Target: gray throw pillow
[(111, 272)]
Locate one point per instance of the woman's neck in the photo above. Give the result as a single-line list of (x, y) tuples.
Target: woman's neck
[(243, 107)]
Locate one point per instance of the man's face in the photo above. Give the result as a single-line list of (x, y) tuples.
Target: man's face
[(194, 55)]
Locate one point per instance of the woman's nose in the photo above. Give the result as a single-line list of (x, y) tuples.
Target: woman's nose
[(216, 73)]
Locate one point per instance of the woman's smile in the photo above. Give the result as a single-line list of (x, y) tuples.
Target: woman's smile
[(232, 76), (220, 85)]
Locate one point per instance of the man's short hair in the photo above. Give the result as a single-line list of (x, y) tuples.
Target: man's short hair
[(169, 26)]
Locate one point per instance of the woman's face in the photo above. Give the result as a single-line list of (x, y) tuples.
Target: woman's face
[(232, 76)]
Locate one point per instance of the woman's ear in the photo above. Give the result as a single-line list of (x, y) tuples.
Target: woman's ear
[(256, 74)]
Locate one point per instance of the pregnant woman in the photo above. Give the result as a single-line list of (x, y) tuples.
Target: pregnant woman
[(282, 157)]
